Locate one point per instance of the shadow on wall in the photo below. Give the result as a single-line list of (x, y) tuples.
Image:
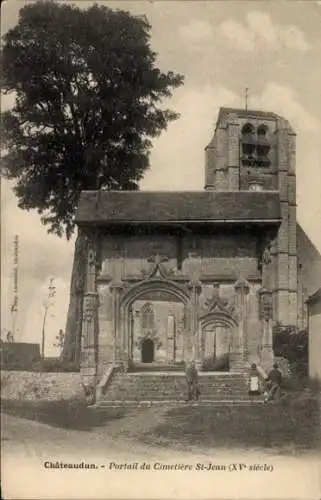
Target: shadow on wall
[(309, 259)]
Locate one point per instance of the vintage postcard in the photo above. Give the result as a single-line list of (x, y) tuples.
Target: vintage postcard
[(160, 250)]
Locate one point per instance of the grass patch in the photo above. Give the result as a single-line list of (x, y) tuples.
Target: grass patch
[(65, 414), (293, 423)]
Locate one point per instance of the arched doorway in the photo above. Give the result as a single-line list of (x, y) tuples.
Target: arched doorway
[(217, 337), (156, 310), (148, 351)]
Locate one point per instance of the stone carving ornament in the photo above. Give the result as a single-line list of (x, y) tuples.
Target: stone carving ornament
[(266, 258), (266, 309), (90, 307), (218, 304), (91, 257), (158, 267), (148, 335)]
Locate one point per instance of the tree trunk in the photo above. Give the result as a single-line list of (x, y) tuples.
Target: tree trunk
[(72, 343)]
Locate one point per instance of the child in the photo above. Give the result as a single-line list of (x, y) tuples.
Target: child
[(254, 384)]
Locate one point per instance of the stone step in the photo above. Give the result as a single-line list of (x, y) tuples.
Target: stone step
[(181, 403), (136, 380), (173, 384), (145, 387), (180, 376), (172, 387), (173, 399), (182, 389)]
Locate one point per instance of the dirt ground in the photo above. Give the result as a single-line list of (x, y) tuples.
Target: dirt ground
[(289, 427), (117, 440)]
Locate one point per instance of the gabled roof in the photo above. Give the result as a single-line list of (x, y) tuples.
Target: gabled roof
[(120, 207)]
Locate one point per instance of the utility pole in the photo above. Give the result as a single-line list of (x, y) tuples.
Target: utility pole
[(46, 304)]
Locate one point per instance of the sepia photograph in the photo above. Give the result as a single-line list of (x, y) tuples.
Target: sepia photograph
[(160, 250)]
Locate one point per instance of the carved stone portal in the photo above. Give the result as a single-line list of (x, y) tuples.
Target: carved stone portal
[(148, 335), (217, 304), (238, 354), (90, 307), (266, 315)]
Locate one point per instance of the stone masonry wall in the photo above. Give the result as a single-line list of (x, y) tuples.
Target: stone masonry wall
[(220, 256), (35, 386), (223, 156)]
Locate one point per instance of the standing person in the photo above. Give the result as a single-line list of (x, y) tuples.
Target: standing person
[(254, 385), (275, 380), (192, 381), (10, 337)]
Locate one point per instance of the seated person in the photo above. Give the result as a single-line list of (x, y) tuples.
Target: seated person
[(274, 384)]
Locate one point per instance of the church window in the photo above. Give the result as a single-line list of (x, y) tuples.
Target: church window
[(248, 145), (147, 316), (262, 132), (263, 147), (248, 134), (255, 146)]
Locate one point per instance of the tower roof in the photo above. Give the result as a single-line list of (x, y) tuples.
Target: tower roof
[(246, 113), (249, 114), (254, 114)]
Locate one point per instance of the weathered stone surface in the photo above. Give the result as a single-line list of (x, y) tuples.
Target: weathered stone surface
[(192, 261), (34, 386), (173, 387)]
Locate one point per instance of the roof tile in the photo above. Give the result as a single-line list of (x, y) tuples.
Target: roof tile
[(110, 207)]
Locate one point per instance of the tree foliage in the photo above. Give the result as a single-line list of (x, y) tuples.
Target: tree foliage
[(60, 340), (292, 344), (88, 98)]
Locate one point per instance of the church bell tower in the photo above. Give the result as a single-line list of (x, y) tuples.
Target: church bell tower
[(255, 151)]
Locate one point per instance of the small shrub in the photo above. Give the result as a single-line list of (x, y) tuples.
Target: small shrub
[(292, 344), (300, 368), (284, 366)]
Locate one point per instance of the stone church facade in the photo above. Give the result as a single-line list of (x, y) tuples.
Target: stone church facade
[(176, 276)]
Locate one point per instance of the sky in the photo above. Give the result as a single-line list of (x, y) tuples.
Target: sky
[(222, 47)]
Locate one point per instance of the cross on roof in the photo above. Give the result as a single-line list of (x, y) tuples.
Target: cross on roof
[(246, 97)]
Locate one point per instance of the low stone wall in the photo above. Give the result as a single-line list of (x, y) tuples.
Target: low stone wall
[(40, 386)]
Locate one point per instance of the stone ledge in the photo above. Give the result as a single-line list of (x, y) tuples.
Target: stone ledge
[(171, 403), (182, 374)]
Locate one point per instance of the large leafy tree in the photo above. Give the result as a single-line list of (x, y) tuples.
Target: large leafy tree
[(88, 98)]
